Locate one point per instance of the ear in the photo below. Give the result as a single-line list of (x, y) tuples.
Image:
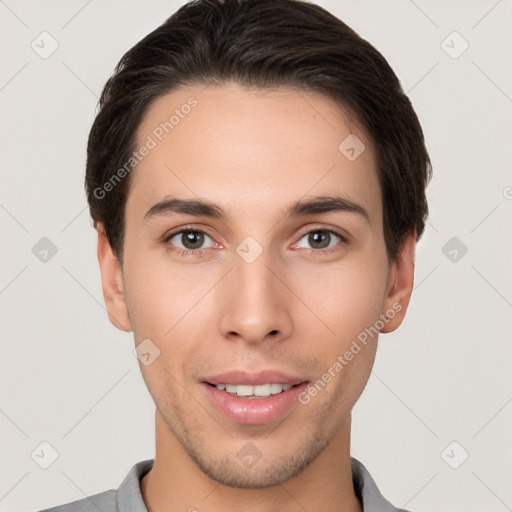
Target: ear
[(112, 283), (400, 284)]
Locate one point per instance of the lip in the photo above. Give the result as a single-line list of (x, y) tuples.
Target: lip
[(240, 377), (253, 411)]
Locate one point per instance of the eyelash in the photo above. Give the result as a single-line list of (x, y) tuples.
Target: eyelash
[(201, 252), (188, 252)]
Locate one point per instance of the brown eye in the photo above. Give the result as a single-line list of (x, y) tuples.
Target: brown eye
[(192, 239), (189, 240), (319, 239)]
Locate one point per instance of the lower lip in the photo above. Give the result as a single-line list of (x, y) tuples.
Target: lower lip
[(254, 411)]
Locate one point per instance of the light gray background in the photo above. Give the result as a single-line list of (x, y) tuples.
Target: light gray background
[(69, 378)]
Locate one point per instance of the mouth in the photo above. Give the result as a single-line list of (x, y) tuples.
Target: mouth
[(253, 399), (254, 392)]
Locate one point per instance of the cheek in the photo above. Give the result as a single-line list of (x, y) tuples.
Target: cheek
[(174, 307), (350, 308), (162, 297), (347, 298)]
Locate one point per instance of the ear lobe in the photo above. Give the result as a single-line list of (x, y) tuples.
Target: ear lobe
[(400, 285), (112, 283)]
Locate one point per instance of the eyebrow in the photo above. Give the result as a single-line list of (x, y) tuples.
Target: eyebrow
[(326, 204), (300, 208)]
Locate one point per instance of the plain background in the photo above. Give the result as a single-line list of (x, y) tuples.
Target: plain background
[(69, 378)]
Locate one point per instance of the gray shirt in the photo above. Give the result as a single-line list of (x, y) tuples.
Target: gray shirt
[(128, 497)]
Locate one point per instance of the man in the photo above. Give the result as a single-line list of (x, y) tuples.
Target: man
[(257, 180)]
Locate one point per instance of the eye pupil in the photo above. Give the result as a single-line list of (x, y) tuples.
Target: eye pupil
[(320, 239), (192, 239)]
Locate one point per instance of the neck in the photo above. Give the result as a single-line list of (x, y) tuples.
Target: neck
[(176, 483)]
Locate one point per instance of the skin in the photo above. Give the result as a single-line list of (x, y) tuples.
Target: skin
[(253, 153)]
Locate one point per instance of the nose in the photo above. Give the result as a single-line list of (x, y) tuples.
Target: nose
[(255, 305)]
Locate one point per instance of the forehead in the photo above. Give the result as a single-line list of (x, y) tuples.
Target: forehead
[(252, 149)]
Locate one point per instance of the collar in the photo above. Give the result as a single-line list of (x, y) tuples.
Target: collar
[(129, 498)]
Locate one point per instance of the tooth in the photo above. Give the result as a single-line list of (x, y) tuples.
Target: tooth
[(262, 390), (275, 389), (244, 390)]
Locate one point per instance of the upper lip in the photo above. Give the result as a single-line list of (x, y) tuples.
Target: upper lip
[(241, 377)]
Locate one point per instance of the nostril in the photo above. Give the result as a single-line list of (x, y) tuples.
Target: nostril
[(273, 332)]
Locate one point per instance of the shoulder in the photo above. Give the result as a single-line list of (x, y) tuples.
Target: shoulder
[(105, 501), (368, 492), (127, 498)]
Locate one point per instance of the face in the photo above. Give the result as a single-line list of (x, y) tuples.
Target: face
[(254, 263)]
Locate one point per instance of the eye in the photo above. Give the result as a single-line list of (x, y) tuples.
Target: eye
[(190, 240), (319, 239)]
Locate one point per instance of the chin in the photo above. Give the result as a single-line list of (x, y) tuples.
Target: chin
[(250, 467)]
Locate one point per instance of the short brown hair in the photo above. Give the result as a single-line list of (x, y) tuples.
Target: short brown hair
[(263, 44)]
